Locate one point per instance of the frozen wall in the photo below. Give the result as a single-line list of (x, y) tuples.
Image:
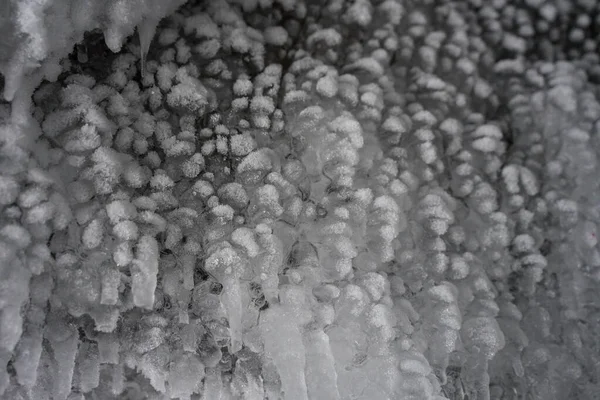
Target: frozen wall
[(299, 200)]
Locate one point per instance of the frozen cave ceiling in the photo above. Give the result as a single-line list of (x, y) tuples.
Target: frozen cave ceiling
[(299, 199)]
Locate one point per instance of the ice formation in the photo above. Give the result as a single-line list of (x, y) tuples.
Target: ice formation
[(299, 199)]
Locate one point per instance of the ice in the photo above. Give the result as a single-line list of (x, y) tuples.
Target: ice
[(270, 263), (153, 366), (321, 376), (28, 354), (227, 266), (276, 36), (244, 237), (108, 349), (146, 30), (184, 375), (232, 300), (117, 379), (144, 270), (87, 367), (64, 354), (11, 322), (293, 228), (213, 386), (484, 334), (283, 344)]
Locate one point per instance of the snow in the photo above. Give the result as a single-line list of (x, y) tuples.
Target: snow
[(329, 37), (488, 131), (327, 86), (262, 104), (244, 237), (9, 190), (120, 210), (192, 97), (40, 213), (32, 196), (510, 174), (564, 98), (16, 235), (257, 160), (233, 194), (415, 366), (242, 87), (485, 144), (368, 65), (485, 334), (276, 36), (126, 230), (123, 254)]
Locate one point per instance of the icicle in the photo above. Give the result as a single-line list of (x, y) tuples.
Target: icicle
[(188, 262), (321, 376), (45, 375), (146, 30), (270, 263), (27, 357), (108, 349), (143, 272), (64, 353), (226, 266), (232, 299), (283, 344), (117, 379), (88, 367), (4, 377), (14, 74)]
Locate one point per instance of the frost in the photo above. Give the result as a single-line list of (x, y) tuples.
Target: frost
[(244, 237), (368, 65), (40, 213), (9, 190), (93, 234), (126, 230), (119, 210), (242, 87), (326, 37), (484, 335), (262, 104), (255, 161), (327, 86), (189, 96), (276, 36), (350, 128), (485, 144), (233, 194)]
